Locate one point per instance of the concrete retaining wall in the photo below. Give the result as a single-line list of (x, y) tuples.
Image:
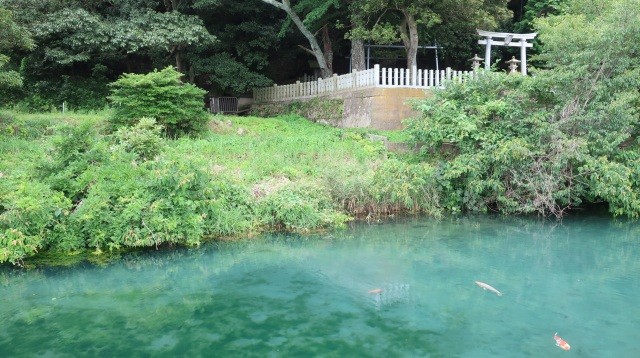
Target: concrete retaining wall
[(380, 108), (374, 107)]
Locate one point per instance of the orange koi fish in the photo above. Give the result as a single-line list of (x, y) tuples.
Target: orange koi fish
[(561, 342), (376, 290)]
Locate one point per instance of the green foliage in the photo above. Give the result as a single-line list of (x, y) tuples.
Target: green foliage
[(73, 34), (146, 29), (548, 143), (228, 74), (11, 36), (298, 207), (142, 139), (151, 204), (178, 107), (118, 201), (451, 23), (76, 93), (75, 150), (457, 32), (29, 211), (82, 46), (11, 125), (535, 9), (133, 189), (399, 186)]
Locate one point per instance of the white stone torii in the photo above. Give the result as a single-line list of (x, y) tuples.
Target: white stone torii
[(506, 39)]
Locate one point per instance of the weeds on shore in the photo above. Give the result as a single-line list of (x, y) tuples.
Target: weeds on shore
[(67, 185)]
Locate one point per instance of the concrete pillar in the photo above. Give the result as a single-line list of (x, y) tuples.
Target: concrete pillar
[(523, 57), (487, 55)]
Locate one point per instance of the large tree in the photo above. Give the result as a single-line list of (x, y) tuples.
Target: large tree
[(386, 21), (315, 9)]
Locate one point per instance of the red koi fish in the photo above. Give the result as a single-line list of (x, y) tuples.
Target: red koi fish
[(561, 342), (376, 291)]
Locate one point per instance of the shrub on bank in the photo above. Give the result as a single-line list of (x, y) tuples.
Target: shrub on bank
[(29, 211), (178, 107), (512, 144)]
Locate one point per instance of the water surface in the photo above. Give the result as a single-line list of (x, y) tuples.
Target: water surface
[(290, 295)]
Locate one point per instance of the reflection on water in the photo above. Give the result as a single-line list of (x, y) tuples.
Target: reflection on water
[(404, 288)]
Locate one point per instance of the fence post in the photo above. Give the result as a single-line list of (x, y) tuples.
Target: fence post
[(414, 72), (354, 76), (376, 75)]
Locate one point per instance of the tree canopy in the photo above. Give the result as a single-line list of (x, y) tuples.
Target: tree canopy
[(229, 47), (12, 36)]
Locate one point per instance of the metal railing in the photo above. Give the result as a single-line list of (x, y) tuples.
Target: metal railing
[(224, 105)]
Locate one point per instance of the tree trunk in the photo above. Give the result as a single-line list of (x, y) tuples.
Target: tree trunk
[(409, 34), (179, 61), (357, 55), (315, 48), (328, 50), (192, 75)]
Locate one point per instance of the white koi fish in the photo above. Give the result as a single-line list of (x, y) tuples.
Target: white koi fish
[(488, 287)]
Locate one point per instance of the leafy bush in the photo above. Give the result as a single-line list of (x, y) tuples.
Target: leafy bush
[(177, 106), (155, 203), (510, 143), (142, 139), (29, 211), (75, 150), (228, 75), (298, 207), (399, 186)]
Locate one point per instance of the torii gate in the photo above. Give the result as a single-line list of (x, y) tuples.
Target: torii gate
[(506, 39)]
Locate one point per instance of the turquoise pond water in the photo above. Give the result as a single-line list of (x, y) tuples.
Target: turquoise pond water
[(289, 295)]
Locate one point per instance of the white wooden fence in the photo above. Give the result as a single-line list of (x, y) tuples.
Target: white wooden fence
[(374, 77)]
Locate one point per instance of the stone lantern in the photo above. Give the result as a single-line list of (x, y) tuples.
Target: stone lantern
[(513, 65), (475, 62)]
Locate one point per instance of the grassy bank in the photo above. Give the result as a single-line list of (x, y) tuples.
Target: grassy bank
[(69, 186)]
